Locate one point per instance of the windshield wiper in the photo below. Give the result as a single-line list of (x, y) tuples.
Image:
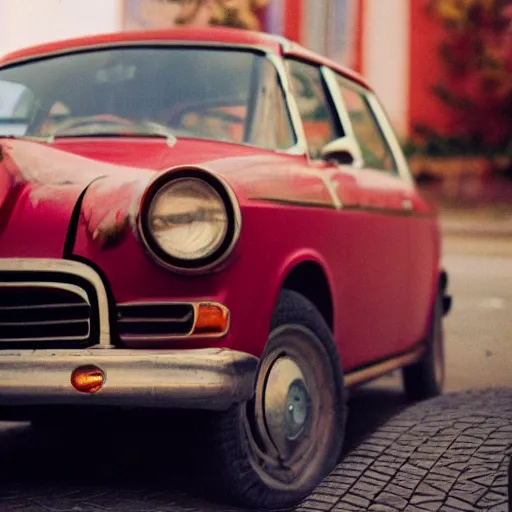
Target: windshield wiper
[(170, 138), (136, 129)]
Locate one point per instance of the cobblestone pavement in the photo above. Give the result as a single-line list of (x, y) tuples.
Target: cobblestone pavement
[(450, 454), (140, 469)]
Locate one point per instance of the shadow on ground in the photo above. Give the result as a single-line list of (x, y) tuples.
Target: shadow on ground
[(140, 465)]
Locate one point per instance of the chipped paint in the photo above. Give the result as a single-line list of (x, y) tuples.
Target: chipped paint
[(55, 176), (109, 208)]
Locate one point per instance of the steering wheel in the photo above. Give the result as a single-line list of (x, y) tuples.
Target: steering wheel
[(104, 119)]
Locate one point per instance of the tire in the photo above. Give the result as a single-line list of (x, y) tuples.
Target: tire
[(510, 483), (64, 421), (51, 423), (450, 453), (296, 418), (425, 379)]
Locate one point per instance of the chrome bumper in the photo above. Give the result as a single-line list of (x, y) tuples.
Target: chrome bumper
[(209, 379)]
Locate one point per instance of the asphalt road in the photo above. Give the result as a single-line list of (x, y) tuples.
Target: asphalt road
[(479, 329), (146, 467)]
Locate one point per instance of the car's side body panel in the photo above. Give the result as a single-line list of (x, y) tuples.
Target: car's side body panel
[(424, 256)]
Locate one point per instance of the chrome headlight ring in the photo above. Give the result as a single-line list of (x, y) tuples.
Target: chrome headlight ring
[(189, 220)]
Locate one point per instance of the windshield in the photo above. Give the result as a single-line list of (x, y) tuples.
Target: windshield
[(226, 95)]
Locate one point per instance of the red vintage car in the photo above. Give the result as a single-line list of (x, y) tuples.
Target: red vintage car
[(216, 220)]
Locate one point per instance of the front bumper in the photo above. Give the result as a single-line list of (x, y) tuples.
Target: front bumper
[(209, 379)]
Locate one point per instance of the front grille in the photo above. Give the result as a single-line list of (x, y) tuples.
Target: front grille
[(154, 321), (34, 312)]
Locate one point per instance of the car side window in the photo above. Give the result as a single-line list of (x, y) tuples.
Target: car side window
[(318, 114), (376, 151)]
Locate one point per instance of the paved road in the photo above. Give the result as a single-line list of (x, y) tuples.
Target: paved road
[(479, 329), (142, 470)]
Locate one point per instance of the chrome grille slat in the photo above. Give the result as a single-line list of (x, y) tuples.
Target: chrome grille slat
[(155, 320), (186, 318), (48, 314), (44, 322), (60, 289), (43, 311), (41, 306), (42, 340)]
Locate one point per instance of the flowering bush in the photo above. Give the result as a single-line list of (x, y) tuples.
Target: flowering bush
[(477, 53)]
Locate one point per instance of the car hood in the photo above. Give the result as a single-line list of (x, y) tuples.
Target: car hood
[(41, 185)]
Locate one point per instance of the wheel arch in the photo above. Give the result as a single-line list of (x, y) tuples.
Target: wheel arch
[(308, 275)]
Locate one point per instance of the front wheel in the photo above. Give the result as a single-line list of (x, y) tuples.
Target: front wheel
[(425, 379), (274, 450)]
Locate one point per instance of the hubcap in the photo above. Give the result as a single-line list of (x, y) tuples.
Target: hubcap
[(297, 404), (290, 423), (286, 404)]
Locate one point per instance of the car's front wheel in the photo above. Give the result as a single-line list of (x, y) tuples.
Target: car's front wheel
[(274, 450)]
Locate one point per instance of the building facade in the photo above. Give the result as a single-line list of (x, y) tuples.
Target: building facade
[(392, 43)]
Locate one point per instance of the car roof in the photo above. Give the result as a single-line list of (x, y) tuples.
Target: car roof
[(218, 35)]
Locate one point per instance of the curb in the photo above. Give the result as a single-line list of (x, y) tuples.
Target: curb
[(469, 227), (476, 232)]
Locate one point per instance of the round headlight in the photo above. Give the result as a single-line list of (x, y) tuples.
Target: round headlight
[(189, 220)]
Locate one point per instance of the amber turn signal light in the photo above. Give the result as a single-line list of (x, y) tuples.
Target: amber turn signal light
[(211, 319), (88, 379)]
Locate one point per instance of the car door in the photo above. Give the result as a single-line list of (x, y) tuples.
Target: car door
[(386, 192), (423, 248), (371, 247)]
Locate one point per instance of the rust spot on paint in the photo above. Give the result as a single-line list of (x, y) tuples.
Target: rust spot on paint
[(110, 236), (1, 153), (109, 208)]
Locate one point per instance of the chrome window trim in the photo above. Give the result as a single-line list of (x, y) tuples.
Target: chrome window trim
[(72, 268), (339, 103), (387, 131), (389, 134), (301, 146), (313, 64), (284, 42)]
